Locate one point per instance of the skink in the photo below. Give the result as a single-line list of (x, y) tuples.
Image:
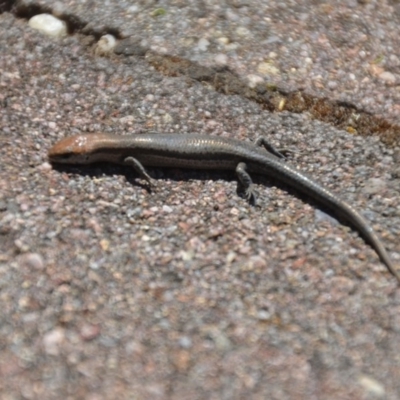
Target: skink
[(209, 152)]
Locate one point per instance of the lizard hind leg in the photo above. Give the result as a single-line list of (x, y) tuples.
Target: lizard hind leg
[(246, 182)]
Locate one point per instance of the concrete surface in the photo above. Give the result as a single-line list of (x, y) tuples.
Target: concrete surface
[(110, 291)]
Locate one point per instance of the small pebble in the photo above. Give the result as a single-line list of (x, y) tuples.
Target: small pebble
[(242, 31), (221, 59), (105, 45), (223, 40), (203, 44), (263, 315), (267, 68), (52, 340), (372, 386), (387, 77), (32, 260), (254, 80), (374, 186), (49, 25), (89, 332), (185, 342), (332, 85), (167, 209)]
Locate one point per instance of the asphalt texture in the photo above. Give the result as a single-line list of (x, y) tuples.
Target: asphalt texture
[(111, 290)]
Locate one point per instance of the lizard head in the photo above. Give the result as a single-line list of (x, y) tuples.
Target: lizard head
[(78, 149)]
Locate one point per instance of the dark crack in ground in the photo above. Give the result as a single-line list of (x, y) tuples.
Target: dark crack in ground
[(344, 116)]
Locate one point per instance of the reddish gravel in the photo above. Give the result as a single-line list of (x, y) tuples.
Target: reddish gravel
[(111, 291)]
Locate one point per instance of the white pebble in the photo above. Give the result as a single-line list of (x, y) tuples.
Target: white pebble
[(133, 9), (203, 44), (33, 260), (167, 209), (105, 45), (127, 120), (387, 77), (242, 31), (49, 25), (221, 59), (254, 80), (267, 68), (372, 387), (223, 40), (52, 341), (167, 118)]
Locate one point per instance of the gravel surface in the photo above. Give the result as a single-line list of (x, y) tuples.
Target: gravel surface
[(111, 291), (347, 50)]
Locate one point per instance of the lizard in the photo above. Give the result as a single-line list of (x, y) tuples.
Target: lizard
[(198, 151)]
